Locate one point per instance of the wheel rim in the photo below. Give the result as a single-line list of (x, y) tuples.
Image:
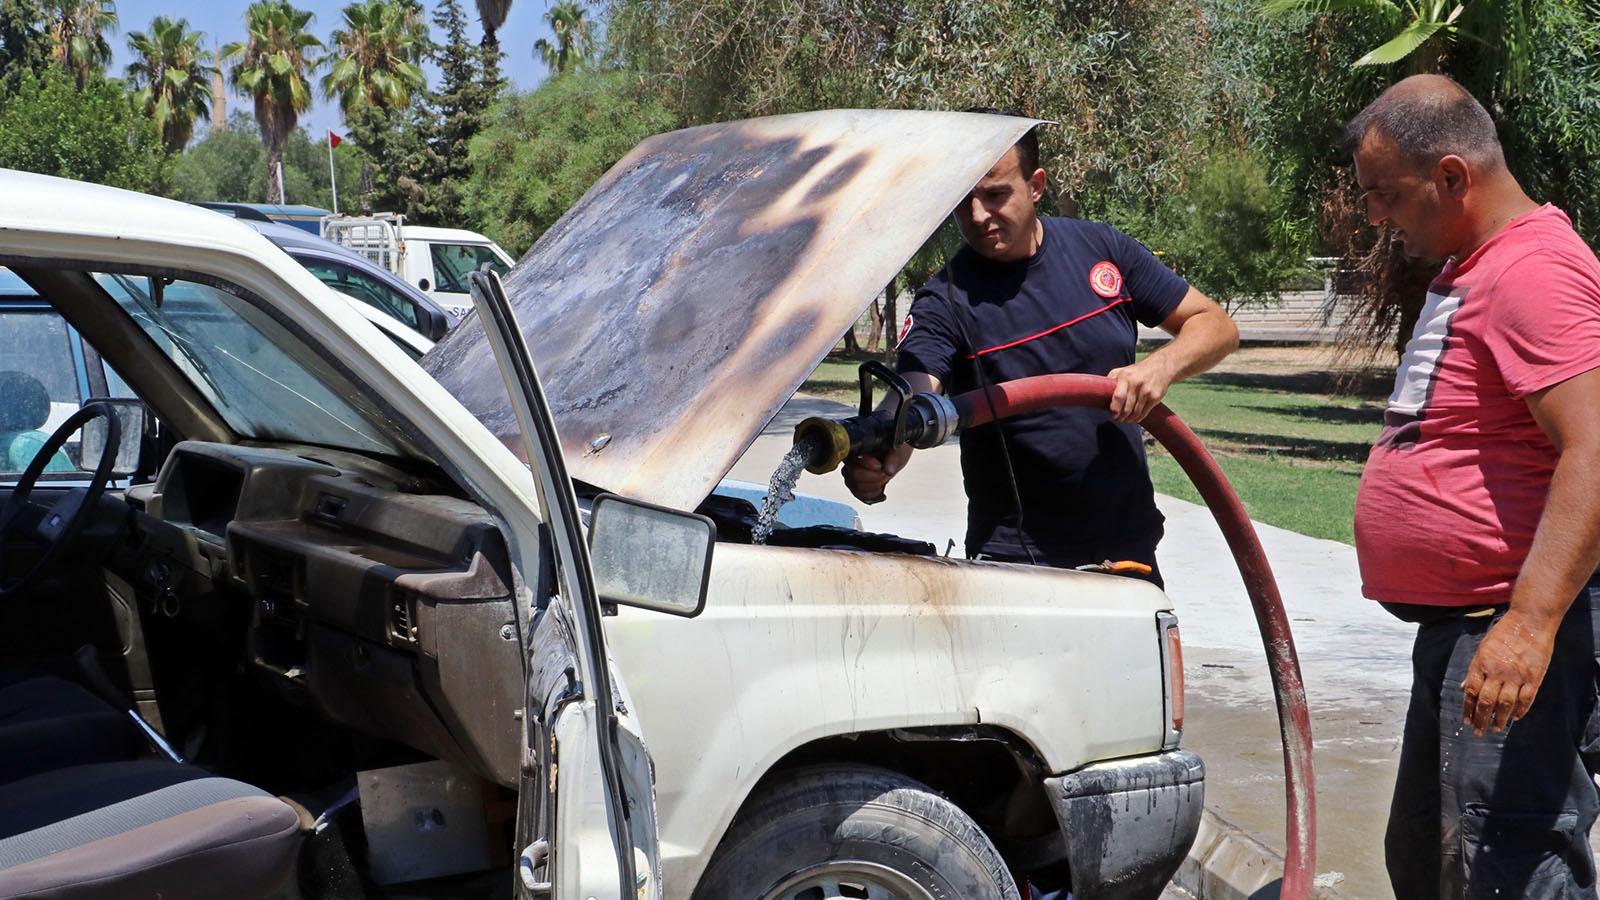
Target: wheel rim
[(848, 880)]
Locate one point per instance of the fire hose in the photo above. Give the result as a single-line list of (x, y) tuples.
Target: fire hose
[(928, 420)]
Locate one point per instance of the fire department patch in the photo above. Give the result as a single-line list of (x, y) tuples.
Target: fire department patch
[(1106, 279), (904, 330)]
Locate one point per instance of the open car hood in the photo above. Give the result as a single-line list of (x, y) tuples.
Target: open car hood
[(676, 307)]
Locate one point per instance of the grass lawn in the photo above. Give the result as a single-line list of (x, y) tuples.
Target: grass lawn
[(1288, 440), (837, 379), (1292, 450)]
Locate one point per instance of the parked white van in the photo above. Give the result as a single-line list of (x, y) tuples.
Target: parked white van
[(436, 260)]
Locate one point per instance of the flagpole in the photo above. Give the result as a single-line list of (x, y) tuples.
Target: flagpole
[(333, 178)]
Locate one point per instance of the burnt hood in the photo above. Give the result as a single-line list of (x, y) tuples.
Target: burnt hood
[(675, 308)]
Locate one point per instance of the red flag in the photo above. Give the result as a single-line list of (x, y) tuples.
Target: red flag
[(333, 139)]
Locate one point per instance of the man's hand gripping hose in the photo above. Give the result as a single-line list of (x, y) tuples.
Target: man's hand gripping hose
[(927, 420)]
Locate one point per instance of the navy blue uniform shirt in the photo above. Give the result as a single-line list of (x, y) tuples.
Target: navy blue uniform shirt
[(1071, 307)]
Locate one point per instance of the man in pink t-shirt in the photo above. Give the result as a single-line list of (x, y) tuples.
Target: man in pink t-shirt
[(1478, 515)]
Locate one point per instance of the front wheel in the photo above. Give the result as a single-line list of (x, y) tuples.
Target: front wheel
[(847, 832)]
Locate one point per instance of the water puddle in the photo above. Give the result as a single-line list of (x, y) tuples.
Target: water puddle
[(780, 490)]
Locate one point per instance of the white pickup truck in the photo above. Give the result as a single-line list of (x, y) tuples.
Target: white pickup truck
[(349, 566), (436, 260)]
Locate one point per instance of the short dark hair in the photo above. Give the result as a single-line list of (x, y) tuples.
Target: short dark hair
[(1027, 145), (1428, 118)]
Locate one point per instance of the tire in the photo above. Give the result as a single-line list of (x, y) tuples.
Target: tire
[(834, 832)]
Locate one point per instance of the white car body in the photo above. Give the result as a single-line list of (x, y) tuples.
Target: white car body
[(729, 237), (800, 653), (51, 219)]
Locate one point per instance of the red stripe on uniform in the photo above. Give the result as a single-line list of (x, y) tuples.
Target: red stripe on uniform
[(1052, 329)]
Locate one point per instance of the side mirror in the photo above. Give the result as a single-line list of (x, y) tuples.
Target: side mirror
[(649, 556), (130, 414), (423, 283), (433, 325)]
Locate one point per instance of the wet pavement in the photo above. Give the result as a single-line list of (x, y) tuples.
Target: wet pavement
[(1355, 657)]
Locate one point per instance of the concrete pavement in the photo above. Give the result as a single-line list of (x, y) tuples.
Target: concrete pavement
[(1354, 656)]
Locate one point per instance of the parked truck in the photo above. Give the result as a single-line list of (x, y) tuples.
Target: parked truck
[(436, 260)]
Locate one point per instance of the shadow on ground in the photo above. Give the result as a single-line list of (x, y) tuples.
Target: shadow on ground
[(1371, 385), (1334, 415), (1292, 447)]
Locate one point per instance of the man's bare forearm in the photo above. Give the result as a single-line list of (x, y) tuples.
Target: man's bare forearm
[(1566, 546), (1201, 343)]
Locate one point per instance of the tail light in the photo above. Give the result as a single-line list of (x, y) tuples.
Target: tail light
[(1171, 676)]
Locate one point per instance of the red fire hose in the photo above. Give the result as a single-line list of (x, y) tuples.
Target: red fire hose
[(1040, 392)]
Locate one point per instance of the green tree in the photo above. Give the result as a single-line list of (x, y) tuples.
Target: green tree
[(543, 149), (574, 38), (1551, 130), (223, 164), (374, 59), (1228, 229), (492, 14), (51, 126), (78, 35), (228, 164), (1118, 78), (24, 41), (374, 75), (171, 73), (1428, 29), (274, 67), (434, 163), (1531, 62)]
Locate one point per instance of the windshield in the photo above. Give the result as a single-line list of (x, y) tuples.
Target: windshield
[(363, 287), (452, 263), (264, 382)]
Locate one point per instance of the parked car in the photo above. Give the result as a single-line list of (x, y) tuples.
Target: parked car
[(36, 342), (305, 218), (436, 260), (359, 277), (352, 565), (305, 603)]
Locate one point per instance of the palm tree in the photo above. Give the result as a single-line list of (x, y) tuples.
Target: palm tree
[(574, 38), (274, 67), (492, 13), (173, 73), (375, 58), (1429, 28), (78, 35)]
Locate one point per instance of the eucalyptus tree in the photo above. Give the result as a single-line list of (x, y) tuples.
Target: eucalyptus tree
[(172, 72), (574, 37), (78, 30), (274, 67)]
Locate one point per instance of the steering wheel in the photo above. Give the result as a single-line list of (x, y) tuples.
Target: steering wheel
[(59, 525)]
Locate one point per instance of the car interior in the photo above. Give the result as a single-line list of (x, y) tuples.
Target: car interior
[(254, 642)]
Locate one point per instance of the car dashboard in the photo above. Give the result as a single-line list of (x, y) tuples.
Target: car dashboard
[(383, 604)]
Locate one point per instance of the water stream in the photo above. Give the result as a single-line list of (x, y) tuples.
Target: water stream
[(780, 490)]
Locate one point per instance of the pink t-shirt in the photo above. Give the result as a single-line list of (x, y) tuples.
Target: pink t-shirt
[(1455, 485)]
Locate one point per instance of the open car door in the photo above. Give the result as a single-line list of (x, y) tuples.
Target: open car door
[(586, 815)]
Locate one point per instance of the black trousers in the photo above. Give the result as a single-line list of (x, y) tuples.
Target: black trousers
[(1505, 815)]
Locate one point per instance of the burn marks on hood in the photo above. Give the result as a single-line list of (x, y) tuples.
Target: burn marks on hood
[(692, 289)]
